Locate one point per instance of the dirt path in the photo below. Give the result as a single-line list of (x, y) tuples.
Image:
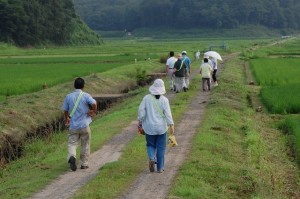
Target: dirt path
[(67, 184), (156, 185)]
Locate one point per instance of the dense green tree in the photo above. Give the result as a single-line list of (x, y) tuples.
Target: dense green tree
[(117, 14), (33, 22)]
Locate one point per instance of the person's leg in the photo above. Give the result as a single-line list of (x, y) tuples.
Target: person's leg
[(215, 80), (173, 80), (203, 84), (161, 150), (208, 83), (176, 84), (214, 75), (151, 150), (72, 146), (85, 136), (182, 83), (187, 79), (170, 73), (73, 142)]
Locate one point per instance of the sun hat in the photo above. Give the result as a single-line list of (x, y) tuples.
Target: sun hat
[(158, 87), (205, 56), (184, 52)]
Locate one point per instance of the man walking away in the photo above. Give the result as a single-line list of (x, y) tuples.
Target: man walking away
[(215, 68), (187, 62), (179, 73), (170, 69), (79, 108)]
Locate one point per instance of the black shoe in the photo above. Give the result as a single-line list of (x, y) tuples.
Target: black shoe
[(84, 167), (151, 165), (184, 89), (72, 162)]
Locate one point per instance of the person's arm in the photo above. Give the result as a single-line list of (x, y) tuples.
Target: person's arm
[(167, 69), (93, 110), (67, 118), (168, 114)]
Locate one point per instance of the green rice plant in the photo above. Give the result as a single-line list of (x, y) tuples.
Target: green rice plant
[(282, 99), (274, 72), (18, 79)]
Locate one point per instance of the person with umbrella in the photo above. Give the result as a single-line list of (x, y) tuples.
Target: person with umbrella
[(215, 68)]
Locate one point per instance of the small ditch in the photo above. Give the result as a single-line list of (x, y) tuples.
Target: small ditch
[(11, 150)]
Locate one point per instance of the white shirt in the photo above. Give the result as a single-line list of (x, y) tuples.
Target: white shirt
[(170, 62), (152, 121), (214, 63)]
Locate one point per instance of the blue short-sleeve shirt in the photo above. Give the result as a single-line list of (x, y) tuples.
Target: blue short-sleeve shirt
[(80, 119)]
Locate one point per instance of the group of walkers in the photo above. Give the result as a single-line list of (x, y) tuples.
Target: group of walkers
[(154, 113), (178, 71)]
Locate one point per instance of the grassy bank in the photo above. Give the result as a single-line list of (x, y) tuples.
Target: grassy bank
[(237, 152)]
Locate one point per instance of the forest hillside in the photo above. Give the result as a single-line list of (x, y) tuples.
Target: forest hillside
[(34, 22), (213, 14)]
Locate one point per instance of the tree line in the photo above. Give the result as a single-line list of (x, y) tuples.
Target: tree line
[(33, 22), (214, 14)]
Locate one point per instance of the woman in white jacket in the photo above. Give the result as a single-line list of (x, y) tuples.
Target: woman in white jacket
[(155, 118)]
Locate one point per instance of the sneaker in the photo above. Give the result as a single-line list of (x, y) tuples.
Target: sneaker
[(184, 89), (84, 167), (72, 162), (151, 165)]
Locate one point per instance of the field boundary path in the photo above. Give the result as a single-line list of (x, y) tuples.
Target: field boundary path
[(67, 184)]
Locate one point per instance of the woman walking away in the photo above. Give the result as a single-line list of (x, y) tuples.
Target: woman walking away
[(155, 117)]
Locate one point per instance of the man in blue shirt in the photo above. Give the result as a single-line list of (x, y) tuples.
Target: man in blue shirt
[(187, 62), (79, 108)]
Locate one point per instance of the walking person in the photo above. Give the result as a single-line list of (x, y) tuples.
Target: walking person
[(187, 62), (197, 55), (154, 115), (79, 108), (215, 68), (205, 71), (170, 70), (179, 71)]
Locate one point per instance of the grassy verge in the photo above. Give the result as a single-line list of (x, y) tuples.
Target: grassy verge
[(237, 153), (291, 128)]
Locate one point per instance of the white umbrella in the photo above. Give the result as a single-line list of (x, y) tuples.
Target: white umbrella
[(213, 54)]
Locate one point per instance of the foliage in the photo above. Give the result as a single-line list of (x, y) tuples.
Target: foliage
[(34, 22), (141, 77), (291, 127), (133, 14)]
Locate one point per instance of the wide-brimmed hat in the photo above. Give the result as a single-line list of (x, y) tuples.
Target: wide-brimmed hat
[(158, 87)]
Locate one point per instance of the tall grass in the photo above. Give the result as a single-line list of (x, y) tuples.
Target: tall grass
[(291, 126)]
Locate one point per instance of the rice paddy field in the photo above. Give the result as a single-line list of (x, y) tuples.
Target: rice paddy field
[(277, 72), (279, 78), (27, 70)]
